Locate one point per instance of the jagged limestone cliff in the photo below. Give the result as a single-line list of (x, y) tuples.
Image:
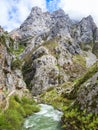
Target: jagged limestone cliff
[(57, 50), (11, 78)]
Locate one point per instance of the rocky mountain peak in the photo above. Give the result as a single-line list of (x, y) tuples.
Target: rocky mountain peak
[(90, 17), (36, 11), (57, 23), (88, 21), (61, 17), (59, 13)]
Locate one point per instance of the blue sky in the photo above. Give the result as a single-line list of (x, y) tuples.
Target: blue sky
[(52, 5), (14, 12)]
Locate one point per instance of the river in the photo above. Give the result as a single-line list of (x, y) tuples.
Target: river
[(47, 119)]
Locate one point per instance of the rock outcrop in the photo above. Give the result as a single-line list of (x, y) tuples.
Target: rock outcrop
[(10, 79), (46, 74), (87, 95), (85, 31)]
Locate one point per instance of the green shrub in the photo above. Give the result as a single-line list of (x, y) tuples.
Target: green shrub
[(28, 103), (13, 117), (79, 120), (26, 100)]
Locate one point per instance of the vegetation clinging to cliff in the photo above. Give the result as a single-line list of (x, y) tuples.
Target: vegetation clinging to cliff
[(91, 71)]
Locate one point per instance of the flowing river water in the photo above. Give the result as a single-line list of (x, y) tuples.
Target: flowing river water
[(47, 119)]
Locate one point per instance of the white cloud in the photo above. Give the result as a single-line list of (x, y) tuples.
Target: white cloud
[(14, 12), (80, 8)]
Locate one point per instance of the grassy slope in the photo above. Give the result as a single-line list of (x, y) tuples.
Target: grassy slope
[(13, 117)]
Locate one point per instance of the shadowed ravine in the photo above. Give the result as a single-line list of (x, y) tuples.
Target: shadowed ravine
[(47, 119)]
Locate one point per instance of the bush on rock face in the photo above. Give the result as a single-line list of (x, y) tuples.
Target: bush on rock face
[(16, 63)]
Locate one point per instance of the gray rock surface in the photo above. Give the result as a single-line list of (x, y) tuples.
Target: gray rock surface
[(40, 52), (85, 30), (87, 95), (14, 80), (10, 79), (90, 59), (46, 74)]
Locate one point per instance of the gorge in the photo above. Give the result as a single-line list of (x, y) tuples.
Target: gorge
[(53, 59)]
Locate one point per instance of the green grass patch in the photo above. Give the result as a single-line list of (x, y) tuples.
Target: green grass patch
[(79, 59)]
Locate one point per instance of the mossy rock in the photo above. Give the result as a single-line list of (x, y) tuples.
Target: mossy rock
[(6, 38)]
